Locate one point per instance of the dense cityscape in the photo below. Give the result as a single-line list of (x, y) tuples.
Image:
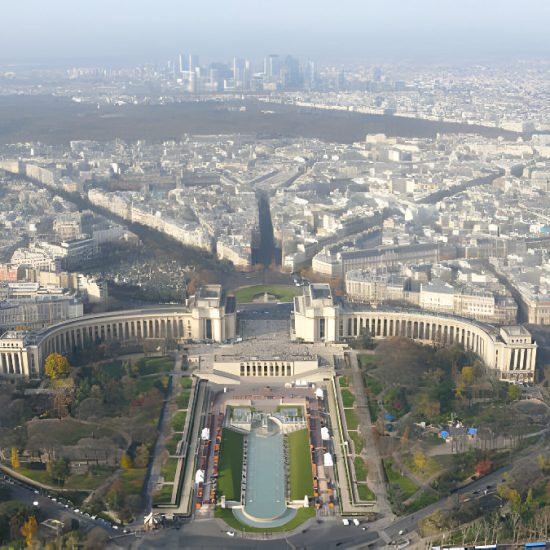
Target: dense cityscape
[(276, 301)]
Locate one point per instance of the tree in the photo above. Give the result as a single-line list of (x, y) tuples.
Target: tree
[(56, 366), (125, 515), (58, 469), (468, 375), (115, 496), (426, 407), (61, 403), (28, 530), (544, 464), (15, 458), (142, 456), (125, 461), (96, 539), (420, 461), (483, 467), (514, 392)]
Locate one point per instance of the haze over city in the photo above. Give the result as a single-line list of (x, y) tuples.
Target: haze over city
[(351, 30), (275, 274)]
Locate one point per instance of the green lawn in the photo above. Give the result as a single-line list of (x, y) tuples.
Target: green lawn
[(372, 384), (360, 469), (231, 464), (90, 481), (281, 292), (144, 384), (431, 468), (423, 500), (344, 382), (151, 365), (178, 421), (183, 399), (302, 514), (172, 444), (366, 360), (365, 492), (348, 399), (299, 456), (168, 469), (352, 420), (132, 480), (358, 441), (41, 476), (406, 485), (186, 382), (66, 431)]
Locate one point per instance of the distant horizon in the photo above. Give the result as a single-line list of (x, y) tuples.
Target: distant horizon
[(127, 62), (140, 31)]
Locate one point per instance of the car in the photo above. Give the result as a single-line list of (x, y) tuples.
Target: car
[(115, 527), (76, 510), (400, 532), (54, 499), (35, 503), (230, 533), (345, 521), (36, 492)]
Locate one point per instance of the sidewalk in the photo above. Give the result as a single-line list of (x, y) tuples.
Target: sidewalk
[(376, 476)]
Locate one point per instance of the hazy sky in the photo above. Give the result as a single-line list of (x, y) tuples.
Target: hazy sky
[(42, 30)]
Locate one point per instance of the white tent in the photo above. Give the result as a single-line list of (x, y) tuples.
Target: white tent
[(325, 434), (327, 459), (205, 434), (199, 476), (319, 393)]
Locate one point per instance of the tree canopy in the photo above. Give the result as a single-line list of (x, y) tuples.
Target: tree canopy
[(56, 366)]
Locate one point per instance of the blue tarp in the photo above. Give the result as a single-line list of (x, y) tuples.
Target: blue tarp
[(472, 431), (388, 417), (444, 434)]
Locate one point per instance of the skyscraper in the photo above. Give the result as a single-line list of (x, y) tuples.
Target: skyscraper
[(272, 67)]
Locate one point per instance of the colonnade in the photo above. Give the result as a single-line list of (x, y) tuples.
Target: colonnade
[(266, 369), (439, 331), (67, 338), (23, 353)]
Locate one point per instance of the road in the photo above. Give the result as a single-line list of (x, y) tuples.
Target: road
[(50, 509), (410, 522), (208, 534)]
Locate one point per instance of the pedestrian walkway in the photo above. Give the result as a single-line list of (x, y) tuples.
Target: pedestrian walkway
[(376, 477)]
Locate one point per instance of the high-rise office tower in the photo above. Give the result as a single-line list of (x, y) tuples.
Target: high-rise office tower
[(193, 63), (310, 75), (241, 74), (292, 73), (272, 68)]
